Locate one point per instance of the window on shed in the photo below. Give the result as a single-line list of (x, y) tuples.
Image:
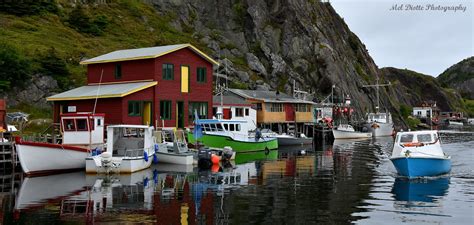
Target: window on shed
[(200, 107), (134, 108), (201, 74), (239, 112), (118, 71), (247, 111), (168, 71), (165, 110), (276, 107)]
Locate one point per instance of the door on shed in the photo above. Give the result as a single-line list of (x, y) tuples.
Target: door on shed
[(289, 112)]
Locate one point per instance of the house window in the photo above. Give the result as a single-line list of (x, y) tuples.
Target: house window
[(247, 111), (134, 108), (276, 107), (168, 70), (200, 107), (118, 71), (259, 106), (302, 108), (418, 113), (165, 110), (239, 112), (201, 74)]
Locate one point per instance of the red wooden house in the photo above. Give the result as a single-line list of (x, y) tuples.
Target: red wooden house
[(158, 86)]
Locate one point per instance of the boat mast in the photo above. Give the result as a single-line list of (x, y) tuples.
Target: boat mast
[(377, 87)]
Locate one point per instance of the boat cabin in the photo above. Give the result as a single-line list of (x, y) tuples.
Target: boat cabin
[(225, 126), (424, 142), (379, 117), (129, 140), (82, 129)]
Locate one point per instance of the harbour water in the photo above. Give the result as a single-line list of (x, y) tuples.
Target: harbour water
[(334, 183)]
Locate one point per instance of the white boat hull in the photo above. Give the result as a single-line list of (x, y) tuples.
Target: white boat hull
[(181, 159), (294, 141), (454, 123), (43, 158), (123, 164), (36, 191), (339, 134), (380, 129)]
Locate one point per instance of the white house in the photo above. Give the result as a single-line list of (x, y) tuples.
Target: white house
[(236, 108), (422, 112)]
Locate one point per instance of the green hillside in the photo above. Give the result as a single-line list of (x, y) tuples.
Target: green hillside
[(68, 34)]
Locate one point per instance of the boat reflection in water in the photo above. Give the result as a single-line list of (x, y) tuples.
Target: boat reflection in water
[(35, 192), (419, 190)]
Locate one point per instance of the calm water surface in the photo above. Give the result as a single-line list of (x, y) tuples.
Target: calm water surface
[(336, 183)]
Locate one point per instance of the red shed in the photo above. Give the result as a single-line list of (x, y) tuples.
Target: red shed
[(159, 85)]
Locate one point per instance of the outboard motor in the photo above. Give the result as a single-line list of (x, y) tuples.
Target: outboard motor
[(204, 158), (106, 161), (227, 153)]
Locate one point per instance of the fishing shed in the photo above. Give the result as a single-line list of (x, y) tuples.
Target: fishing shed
[(159, 86)]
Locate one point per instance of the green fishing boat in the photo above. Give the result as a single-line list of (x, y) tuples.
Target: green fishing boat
[(245, 157), (219, 133)]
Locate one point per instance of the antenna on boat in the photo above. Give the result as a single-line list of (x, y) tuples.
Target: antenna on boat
[(377, 86), (93, 111), (98, 90)]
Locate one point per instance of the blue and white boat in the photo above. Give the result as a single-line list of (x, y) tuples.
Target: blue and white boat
[(419, 154)]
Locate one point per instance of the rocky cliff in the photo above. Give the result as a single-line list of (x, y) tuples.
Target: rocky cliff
[(268, 44), (411, 88), (460, 76), (273, 43)]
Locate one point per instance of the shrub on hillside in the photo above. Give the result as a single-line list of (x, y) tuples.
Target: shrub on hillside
[(15, 69), (28, 7), (79, 20), (405, 111), (53, 65)]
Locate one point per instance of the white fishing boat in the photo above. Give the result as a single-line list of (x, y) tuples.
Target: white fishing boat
[(419, 153), (287, 139), (177, 152), (455, 123), (346, 131), (81, 133), (380, 124), (130, 148)]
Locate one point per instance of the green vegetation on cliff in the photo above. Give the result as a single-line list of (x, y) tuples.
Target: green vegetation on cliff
[(52, 40)]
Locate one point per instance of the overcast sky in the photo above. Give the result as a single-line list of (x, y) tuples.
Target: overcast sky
[(427, 40)]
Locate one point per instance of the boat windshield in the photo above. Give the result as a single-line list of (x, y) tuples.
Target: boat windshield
[(406, 138), (424, 138)]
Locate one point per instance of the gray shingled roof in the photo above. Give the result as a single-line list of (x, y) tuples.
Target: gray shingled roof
[(229, 99), (143, 53), (268, 96), (104, 91)]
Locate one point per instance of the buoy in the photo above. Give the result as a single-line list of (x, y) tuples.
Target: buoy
[(267, 151), (145, 182), (145, 156), (157, 147), (214, 159), (215, 168), (155, 158)]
